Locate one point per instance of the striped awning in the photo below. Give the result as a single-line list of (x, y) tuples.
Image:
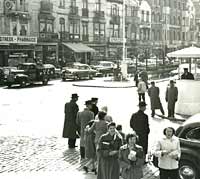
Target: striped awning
[(79, 47)]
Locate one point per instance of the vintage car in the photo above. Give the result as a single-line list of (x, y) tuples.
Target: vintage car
[(28, 73), (77, 71), (189, 134), (104, 67)]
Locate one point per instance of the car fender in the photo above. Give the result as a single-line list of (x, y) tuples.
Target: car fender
[(190, 155)]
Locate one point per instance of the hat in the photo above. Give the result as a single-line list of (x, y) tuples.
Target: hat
[(185, 69), (172, 81), (94, 99), (142, 104), (74, 95), (88, 102)]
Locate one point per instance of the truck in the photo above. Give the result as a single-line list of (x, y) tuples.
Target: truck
[(29, 73)]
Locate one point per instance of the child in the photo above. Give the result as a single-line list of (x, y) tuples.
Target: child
[(119, 129)]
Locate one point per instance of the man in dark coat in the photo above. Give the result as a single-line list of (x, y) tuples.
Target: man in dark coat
[(171, 98), (94, 109), (187, 75), (70, 127), (140, 124), (153, 93)]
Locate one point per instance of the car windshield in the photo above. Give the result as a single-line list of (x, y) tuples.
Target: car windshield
[(81, 67), (25, 67)]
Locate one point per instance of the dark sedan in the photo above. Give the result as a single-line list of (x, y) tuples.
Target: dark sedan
[(189, 134)]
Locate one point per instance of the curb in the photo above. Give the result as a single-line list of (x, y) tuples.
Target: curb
[(95, 86)]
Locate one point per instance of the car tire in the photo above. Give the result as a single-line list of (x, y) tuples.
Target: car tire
[(90, 77), (189, 167), (9, 85), (23, 83), (64, 79), (45, 81)]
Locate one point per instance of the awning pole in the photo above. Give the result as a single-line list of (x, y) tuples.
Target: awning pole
[(179, 75)]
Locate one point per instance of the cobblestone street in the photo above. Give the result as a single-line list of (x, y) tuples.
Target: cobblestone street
[(48, 154)]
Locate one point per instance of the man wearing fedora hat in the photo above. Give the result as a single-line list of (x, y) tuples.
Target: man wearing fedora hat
[(70, 127), (171, 98), (140, 124), (82, 120), (94, 109)]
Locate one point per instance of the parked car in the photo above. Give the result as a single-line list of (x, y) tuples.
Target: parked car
[(28, 73), (104, 67), (77, 71), (189, 134)]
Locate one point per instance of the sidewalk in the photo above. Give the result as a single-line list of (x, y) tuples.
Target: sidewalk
[(107, 82), (26, 157)]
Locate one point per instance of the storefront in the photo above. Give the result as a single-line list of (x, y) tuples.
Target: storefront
[(77, 52), (47, 52), (16, 49)]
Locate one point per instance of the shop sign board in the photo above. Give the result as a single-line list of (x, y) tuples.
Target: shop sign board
[(18, 39), (116, 40)]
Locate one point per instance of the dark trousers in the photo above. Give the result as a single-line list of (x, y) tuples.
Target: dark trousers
[(141, 96), (168, 174), (161, 110), (82, 152), (71, 143), (171, 111)]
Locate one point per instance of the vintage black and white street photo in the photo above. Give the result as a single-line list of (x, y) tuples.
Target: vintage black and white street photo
[(100, 89)]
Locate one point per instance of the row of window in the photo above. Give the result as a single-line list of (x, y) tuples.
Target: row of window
[(180, 4)]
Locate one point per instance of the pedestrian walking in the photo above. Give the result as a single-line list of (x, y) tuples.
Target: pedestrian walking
[(140, 124), (82, 120), (153, 93), (171, 98), (90, 150), (187, 75), (142, 89), (70, 127), (131, 157), (144, 77), (94, 109), (108, 149), (136, 78), (107, 117), (168, 152)]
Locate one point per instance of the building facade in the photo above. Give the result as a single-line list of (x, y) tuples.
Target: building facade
[(48, 29)]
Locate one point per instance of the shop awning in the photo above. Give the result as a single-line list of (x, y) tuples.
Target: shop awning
[(79, 47)]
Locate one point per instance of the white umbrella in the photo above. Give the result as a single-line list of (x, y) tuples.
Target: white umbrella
[(189, 52)]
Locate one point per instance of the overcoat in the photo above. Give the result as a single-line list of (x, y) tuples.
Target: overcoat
[(131, 170), (95, 109), (171, 96), (108, 166), (153, 93), (70, 127), (82, 120), (140, 124)]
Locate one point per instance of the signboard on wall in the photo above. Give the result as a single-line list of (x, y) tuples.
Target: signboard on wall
[(18, 40)]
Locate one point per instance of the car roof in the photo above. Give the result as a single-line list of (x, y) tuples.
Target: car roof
[(193, 119), (27, 64)]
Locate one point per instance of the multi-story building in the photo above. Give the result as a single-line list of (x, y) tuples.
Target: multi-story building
[(84, 30), (173, 24)]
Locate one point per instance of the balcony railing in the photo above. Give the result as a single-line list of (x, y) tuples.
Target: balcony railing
[(99, 14), (64, 36), (73, 10), (115, 20), (85, 12), (17, 9), (48, 36), (46, 7)]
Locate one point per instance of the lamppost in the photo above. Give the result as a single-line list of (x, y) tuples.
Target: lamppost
[(124, 64)]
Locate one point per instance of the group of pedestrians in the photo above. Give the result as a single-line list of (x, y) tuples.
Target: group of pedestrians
[(109, 151)]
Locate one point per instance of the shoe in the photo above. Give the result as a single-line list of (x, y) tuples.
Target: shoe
[(85, 169), (94, 170)]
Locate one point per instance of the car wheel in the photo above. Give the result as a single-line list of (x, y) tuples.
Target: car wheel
[(187, 168), (64, 79), (9, 85), (45, 81), (90, 77), (23, 83)]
